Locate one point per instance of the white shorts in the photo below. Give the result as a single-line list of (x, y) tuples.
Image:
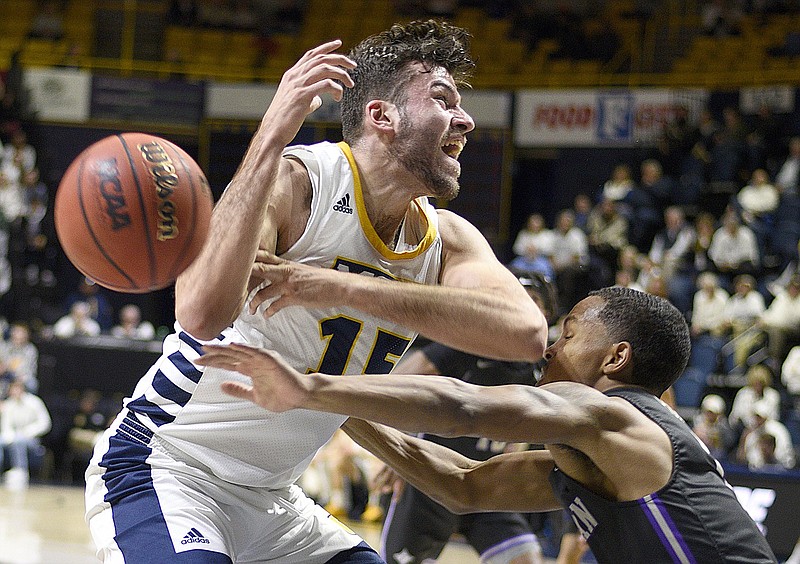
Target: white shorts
[(145, 504)]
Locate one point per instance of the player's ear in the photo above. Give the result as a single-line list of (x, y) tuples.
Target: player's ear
[(383, 116), (618, 359)]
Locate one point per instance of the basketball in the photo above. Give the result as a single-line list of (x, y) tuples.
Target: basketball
[(132, 211)]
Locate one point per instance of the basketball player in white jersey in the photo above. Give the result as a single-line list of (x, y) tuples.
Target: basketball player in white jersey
[(332, 255)]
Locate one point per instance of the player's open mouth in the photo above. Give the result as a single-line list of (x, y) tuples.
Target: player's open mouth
[(453, 148)]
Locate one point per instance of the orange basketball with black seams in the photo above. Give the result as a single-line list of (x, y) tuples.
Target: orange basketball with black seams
[(132, 211)]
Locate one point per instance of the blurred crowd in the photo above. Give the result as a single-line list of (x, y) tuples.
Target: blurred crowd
[(710, 219)]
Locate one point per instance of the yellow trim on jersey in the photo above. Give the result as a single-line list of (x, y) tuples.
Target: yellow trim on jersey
[(366, 224)]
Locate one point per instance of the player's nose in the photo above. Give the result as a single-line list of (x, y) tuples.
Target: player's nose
[(462, 120)]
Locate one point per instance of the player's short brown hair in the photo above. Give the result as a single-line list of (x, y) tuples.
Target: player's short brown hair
[(383, 58)]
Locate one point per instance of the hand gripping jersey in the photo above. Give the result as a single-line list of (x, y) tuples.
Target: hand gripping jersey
[(694, 519), (243, 443)]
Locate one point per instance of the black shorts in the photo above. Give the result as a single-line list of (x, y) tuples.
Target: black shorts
[(418, 526)]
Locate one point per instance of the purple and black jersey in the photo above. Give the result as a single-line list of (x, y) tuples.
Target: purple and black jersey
[(695, 518)]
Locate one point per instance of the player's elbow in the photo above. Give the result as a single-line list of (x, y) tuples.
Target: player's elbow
[(538, 340), (531, 340), (200, 322)]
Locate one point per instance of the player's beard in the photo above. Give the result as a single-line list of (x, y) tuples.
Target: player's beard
[(408, 150)]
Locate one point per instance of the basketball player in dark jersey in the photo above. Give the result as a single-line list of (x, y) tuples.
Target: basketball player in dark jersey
[(417, 528), (638, 483)]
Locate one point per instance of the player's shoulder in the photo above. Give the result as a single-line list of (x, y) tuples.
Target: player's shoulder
[(455, 228)]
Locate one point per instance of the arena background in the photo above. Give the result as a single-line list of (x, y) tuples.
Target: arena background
[(553, 115)]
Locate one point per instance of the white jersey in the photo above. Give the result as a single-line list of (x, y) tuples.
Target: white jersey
[(243, 443)]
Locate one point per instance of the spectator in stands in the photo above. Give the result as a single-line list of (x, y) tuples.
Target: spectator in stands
[(19, 152), (648, 202), (782, 281), (582, 207), (6, 378), (786, 181), (100, 309), (533, 239), (624, 279), (618, 188), (755, 443), (704, 227), (570, 257), (759, 197), (764, 140), (607, 235), (534, 261), (756, 393), (86, 428), (781, 321), (708, 308), (36, 226), (12, 194), (21, 356), (790, 372), (131, 325), (676, 141), (707, 128), (712, 427), (742, 311), (671, 253), (728, 152), (629, 268), (24, 419), (758, 201), (734, 249), (78, 322)]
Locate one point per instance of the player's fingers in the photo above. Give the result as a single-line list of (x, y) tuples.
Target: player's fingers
[(327, 47), (219, 359), (328, 86), (275, 306), (239, 390), (267, 257), (320, 73), (316, 103), (265, 294)]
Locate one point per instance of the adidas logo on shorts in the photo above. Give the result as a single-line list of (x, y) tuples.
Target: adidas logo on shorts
[(194, 536), (343, 205)]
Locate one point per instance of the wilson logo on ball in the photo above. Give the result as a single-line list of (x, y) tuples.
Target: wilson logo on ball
[(166, 179), (111, 192)]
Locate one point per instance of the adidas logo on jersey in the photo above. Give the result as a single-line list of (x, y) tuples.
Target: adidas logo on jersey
[(343, 205), (194, 536)]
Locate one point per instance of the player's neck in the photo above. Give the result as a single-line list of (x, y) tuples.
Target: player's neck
[(387, 192)]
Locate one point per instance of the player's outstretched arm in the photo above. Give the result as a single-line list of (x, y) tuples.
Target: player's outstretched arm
[(435, 404), (507, 482), (480, 307), (210, 293)]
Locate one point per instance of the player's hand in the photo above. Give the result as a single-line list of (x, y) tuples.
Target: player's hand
[(386, 480), (292, 283), (319, 71), (276, 386)]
